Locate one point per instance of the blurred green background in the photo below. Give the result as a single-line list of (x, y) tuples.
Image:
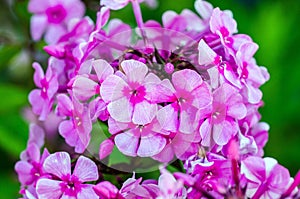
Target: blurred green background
[(273, 24)]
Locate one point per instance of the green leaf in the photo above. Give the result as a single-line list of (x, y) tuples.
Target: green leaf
[(12, 97)]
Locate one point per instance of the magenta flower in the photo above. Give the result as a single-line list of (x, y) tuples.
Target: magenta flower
[(130, 93), (29, 168), (42, 99), (65, 184), (220, 123), (76, 130), (52, 17), (266, 178)]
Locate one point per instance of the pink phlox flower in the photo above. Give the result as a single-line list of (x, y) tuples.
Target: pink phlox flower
[(130, 93), (78, 32), (251, 75), (211, 173), (220, 120), (42, 99), (260, 135), (76, 129), (224, 26), (119, 4), (219, 70), (138, 140), (170, 187), (65, 184), (266, 178), (187, 95), (29, 168), (181, 145), (52, 16), (107, 190)]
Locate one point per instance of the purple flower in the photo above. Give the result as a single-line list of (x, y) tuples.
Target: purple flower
[(42, 99), (76, 130), (52, 17), (265, 177), (220, 125), (65, 184)]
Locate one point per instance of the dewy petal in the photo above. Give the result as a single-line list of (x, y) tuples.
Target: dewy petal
[(144, 112), (127, 143), (134, 70), (151, 145), (186, 80), (38, 74), (120, 110), (84, 88), (38, 25), (86, 170), (102, 69), (58, 164), (112, 88), (48, 189)]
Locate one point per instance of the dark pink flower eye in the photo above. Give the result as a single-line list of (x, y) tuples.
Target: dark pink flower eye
[(56, 14)]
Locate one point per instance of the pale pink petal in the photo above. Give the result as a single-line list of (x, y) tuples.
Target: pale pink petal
[(43, 5), (58, 164), (85, 169), (143, 112), (186, 80), (87, 192), (38, 25), (151, 145), (102, 69), (168, 118), (84, 88), (36, 102), (66, 130), (166, 155), (205, 132), (102, 17), (202, 96), (223, 131), (134, 70), (106, 190), (237, 110), (192, 19), (54, 33), (127, 143), (37, 135), (48, 189), (112, 88), (114, 4), (38, 74), (203, 8), (254, 169), (75, 9), (254, 94), (207, 56), (187, 123), (120, 110)]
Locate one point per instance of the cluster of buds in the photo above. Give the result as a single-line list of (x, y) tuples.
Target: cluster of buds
[(124, 101)]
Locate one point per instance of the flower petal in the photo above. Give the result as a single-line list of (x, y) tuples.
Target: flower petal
[(112, 88), (144, 112), (103, 69), (127, 143), (58, 164), (120, 110), (86, 170), (151, 145), (134, 70), (48, 189)]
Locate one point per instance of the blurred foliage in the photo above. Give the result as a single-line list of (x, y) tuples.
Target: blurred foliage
[(273, 24)]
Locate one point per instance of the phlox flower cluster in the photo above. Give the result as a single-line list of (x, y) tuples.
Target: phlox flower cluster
[(184, 92)]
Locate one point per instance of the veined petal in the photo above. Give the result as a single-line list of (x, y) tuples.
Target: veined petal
[(48, 189), (151, 145), (58, 164), (87, 192), (84, 88), (23, 168), (222, 132), (120, 110), (186, 80), (144, 112), (205, 132), (64, 105), (134, 70), (103, 69), (112, 88), (86, 170), (127, 143)]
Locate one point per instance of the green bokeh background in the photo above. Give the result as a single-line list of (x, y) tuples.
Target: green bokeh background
[(273, 24)]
